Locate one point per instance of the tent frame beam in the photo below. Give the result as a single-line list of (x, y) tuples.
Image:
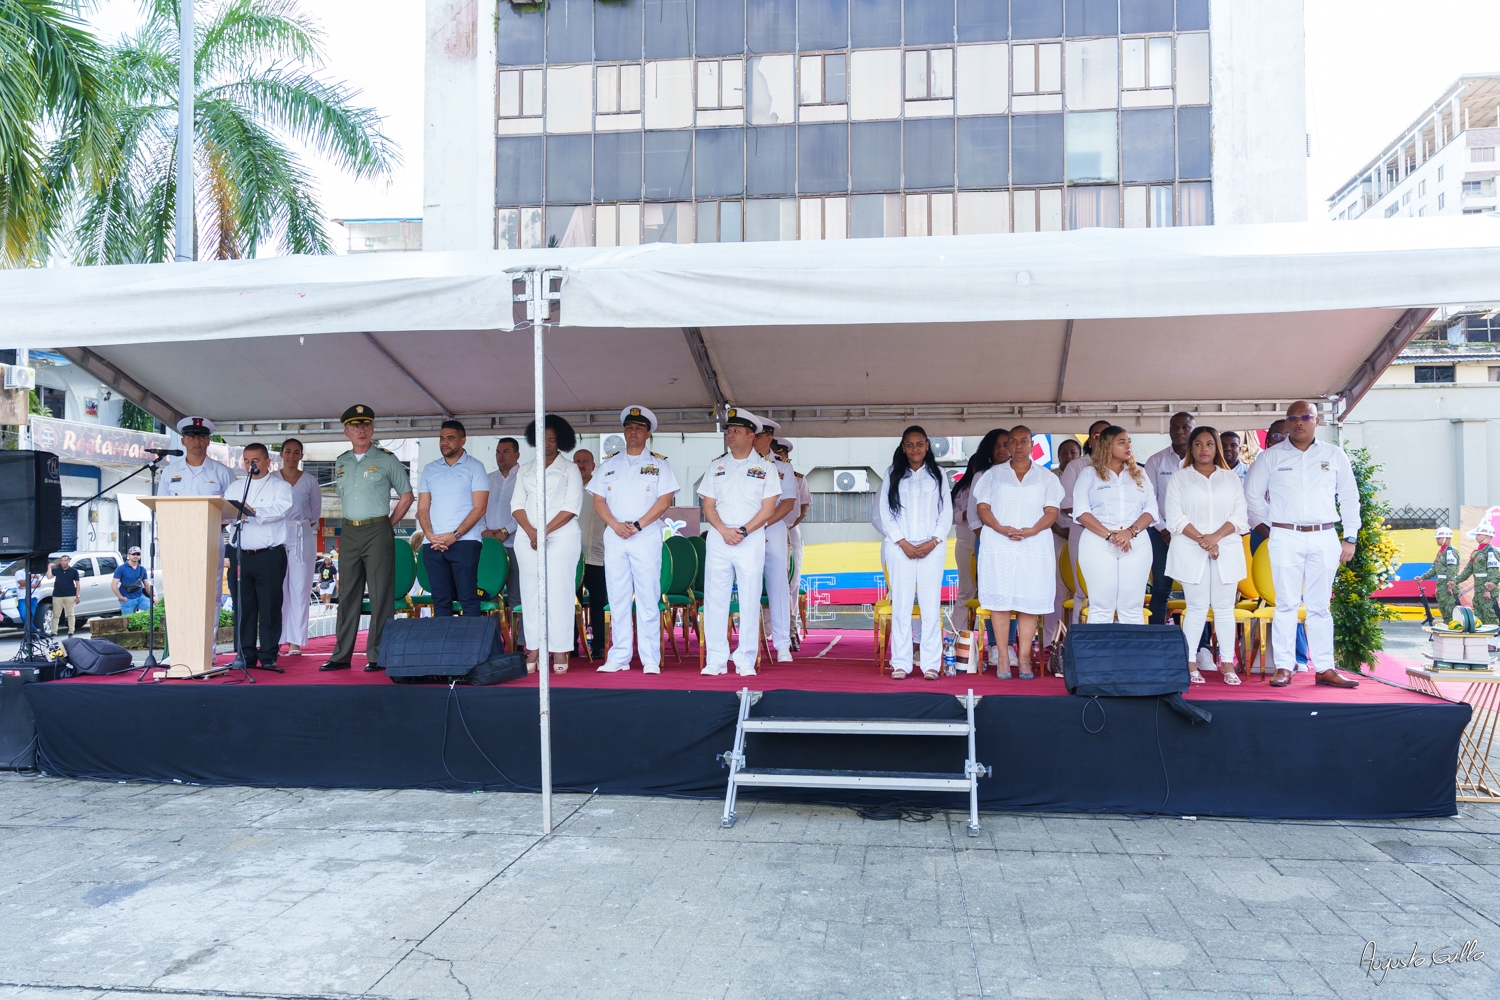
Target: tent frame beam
[(447, 413), (125, 384), (706, 369), (1393, 343)]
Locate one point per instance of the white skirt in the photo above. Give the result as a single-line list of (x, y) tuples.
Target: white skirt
[(1017, 576)]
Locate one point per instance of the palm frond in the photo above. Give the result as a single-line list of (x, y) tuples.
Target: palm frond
[(242, 35)]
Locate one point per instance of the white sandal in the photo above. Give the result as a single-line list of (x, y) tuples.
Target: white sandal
[(1231, 676), (898, 675), (1196, 677)]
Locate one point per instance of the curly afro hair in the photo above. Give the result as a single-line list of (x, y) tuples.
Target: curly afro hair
[(567, 438)]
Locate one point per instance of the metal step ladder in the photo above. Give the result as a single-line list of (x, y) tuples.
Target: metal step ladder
[(909, 781)]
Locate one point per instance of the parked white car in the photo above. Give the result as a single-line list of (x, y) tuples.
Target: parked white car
[(96, 596)]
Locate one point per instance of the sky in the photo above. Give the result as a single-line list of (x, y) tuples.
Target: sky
[(1372, 66)]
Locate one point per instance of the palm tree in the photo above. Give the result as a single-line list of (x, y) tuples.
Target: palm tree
[(256, 96), (50, 90)]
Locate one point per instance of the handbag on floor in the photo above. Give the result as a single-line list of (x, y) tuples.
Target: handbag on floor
[(97, 656)]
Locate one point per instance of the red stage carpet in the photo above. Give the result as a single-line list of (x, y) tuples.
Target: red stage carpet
[(830, 661)]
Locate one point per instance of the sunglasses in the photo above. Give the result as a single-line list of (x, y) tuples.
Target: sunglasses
[(1303, 416)]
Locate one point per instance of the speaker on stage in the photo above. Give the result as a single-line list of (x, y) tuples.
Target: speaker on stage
[(30, 503), (443, 649), (1130, 661)]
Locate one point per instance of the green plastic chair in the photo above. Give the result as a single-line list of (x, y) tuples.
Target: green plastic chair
[(406, 573), (423, 599)]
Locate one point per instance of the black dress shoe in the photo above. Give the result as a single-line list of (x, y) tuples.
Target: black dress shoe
[(335, 665), (372, 666)]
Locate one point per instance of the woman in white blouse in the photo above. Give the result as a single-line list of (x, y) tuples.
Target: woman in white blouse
[(1114, 503), (1017, 504), (913, 514), (1205, 512), (301, 545), (564, 542)]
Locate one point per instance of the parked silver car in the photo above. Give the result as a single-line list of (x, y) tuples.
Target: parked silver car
[(96, 596)]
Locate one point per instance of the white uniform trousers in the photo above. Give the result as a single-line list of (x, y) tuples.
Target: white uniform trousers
[(1303, 565), (777, 602), (919, 580), (1117, 580), (563, 550), (632, 571), (1075, 541), (794, 588), (1200, 596), (725, 566), (296, 587)]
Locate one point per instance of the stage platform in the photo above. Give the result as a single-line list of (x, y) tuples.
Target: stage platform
[(1307, 751)]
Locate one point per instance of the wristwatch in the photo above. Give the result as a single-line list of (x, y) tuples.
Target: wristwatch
[(743, 532), (636, 525)]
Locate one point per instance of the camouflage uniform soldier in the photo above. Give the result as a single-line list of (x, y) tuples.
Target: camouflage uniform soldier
[(1484, 567), (1445, 571)]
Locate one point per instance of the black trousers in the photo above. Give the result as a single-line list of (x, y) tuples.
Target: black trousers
[(258, 607), (453, 576), (596, 597), (1161, 584)]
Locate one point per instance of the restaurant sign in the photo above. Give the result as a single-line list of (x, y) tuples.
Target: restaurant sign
[(75, 442)]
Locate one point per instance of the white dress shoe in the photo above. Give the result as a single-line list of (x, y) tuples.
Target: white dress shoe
[(783, 656), (713, 671)]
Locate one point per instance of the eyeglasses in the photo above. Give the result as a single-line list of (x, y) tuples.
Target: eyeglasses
[(1303, 416), (1275, 437)]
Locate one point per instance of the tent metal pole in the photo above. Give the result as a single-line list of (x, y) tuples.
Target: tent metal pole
[(539, 280), (185, 59)]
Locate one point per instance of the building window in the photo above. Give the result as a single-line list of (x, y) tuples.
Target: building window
[(1473, 211), (1092, 147), (1039, 211), (823, 218), (1495, 373), (521, 93), (1421, 189), (1093, 208), (519, 228), (1036, 69), (929, 215), (929, 74), (1440, 175), (1442, 199), (825, 79), (720, 222), (1482, 154), (618, 89), (1149, 207), (1482, 329), (721, 84), (1146, 63), (617, 225), (1406, 198), (874, 215), (1434, 374), (1395, 207), (1195, 206), (981, 212)]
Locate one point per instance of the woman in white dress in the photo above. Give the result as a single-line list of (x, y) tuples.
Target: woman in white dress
[(1205, 512), (912, 513), (1114, 503), (564, 542), (301, 545), (1017, 504)]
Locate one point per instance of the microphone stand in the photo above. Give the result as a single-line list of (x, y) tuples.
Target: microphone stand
[(151, 660), (238, 663)]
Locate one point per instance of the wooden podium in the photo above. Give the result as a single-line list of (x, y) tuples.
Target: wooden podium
[(187, 533)]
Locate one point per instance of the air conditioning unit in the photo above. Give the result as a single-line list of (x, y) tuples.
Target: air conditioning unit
[(17, 377), (948, 449), (851, 480), (611, 444)]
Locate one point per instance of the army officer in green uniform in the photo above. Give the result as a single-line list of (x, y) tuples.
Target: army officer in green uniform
[(1445, 571), (365, 476), (1484, 567)]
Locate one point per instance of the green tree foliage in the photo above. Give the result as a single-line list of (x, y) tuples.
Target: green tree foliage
[(134, 418), (1357, 636)]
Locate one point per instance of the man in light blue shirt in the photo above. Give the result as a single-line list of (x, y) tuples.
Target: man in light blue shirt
[(451, 499)]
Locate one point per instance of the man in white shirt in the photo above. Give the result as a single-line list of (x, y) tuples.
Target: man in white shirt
[(1229, 443), (452, 497), (1292, 489), (260, 558), (1159, 469), (630, 493), (739, 493), (499, 522), (777, 564)]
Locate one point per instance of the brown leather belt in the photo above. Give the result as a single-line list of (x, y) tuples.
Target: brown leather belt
[(364, 521), (1306, 527)]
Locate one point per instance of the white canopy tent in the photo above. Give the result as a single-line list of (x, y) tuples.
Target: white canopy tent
[(832, 338)]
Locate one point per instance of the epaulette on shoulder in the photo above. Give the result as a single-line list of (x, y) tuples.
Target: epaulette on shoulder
[(718, 456), (657, 454), (386, 450), (799, 475), (610, 455)]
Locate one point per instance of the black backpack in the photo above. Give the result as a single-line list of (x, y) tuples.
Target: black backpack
[(97, 656)]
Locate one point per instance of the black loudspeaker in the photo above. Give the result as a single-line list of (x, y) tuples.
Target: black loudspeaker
[(443, 649), (1130, 661), (30, 503)]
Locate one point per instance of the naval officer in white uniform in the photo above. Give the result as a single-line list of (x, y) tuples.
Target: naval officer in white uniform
[(778, 555), (740, 493), (631, 490), (195, 474), (1291, 489)]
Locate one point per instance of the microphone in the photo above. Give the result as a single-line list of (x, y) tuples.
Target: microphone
[(159, 452)]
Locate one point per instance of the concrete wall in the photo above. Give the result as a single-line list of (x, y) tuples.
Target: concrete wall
[(1259, 111), (459, 143)]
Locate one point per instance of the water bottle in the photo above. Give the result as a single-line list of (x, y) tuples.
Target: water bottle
[(950, 657)]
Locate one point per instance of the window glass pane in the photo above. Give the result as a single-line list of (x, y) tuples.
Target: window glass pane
[(1093, 76), (1192, 15), (669, 166), (1092, 144), (875, 84), (1192, 68), (720, 162), (940, 73), (823, 158), (867, 216), (1023, 70), (570, 31), (929, 153), (1140, 16), (823, 24), (929, 22), (570, 226), (617, 30), (874, 22), (510, 94), (1133, 63), (520, 38), (770, 160), (731, 222), (720, 26), (875, 155), (669, 94), (1135, 208), (1093, 17), (1196, 207), (732, 84), (1036, 18), (518, 169), (669, 28), (982, 212), (668, 223), (916, 75), (1160, 49), (1192, 142), (1093, 207), (762, 221), (810, 80), (1146, 145), (570, 98), (1161, 206), (771, 25), (772, 97), (981, 79), (983, 20), (1036, 150), (983, 152), (531, 92), (568, 161), (835, 78), (617, 166)]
